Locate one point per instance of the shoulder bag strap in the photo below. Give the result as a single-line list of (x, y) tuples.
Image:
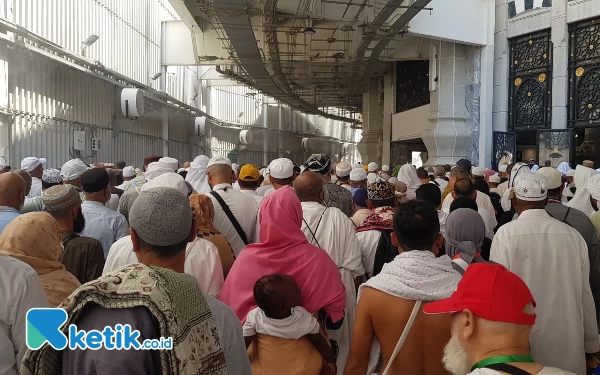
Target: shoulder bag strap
[(314, 233), (403, 337), (509, 369), (232, 219)]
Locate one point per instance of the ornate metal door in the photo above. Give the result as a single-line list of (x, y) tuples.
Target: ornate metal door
[(503, 142), (554, 147)]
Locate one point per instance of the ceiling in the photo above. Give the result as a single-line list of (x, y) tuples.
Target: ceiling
[(273, 43)]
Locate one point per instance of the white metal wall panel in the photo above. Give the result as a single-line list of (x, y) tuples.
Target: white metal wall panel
[(235, 104), (51, 100), (129, 30)]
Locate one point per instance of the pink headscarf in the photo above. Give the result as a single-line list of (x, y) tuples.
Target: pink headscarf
[(284, 250), (489, 173)]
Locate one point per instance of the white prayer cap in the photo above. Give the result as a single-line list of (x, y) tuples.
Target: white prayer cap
[(72, 169), (495, 179), (571, 173), (358, 174), (553, 177), (218, 160), (392, 180), (31, 162), (156, 169), (169, 180), (372, 167), (356, 165), (502, 168), (593, 186), (281, 168), (371, 178), (171, 162), (531, 187), (385, 168), (478, 171), (129, 171), (343, 169)]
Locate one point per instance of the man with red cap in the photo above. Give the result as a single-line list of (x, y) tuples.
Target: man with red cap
[(492, 316)]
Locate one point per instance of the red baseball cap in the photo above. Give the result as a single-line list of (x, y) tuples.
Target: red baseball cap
[(491, 292)]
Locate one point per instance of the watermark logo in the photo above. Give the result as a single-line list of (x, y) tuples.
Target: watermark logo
[(44, 326)]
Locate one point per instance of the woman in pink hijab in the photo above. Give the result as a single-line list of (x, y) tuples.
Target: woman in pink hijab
[(283, 249)]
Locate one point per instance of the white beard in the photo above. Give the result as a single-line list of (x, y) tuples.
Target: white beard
[(455, 358)]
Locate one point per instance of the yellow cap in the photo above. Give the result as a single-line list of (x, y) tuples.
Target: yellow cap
[(249, 173), (365, 167)]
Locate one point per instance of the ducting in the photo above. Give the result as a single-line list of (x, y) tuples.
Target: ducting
[(363, 66), (243, 42)]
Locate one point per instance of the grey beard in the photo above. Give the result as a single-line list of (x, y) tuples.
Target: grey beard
[(455, 358)]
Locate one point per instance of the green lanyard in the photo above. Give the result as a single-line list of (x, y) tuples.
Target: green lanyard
[(502, 359)]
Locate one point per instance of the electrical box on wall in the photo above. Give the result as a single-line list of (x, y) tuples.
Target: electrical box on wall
[(96, 143), (79, 140)]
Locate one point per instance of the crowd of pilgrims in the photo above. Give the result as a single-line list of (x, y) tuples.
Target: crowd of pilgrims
[(323, 268)]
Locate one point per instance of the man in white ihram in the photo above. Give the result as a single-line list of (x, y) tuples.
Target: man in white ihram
[(330, 229), (552, 259), (239, 229)]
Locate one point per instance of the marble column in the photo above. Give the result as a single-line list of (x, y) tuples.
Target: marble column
[(560, 59), (501, 65), (370, 143), (446, 137), (389, 104)]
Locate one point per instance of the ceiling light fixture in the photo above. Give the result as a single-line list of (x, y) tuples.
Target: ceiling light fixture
[(309, 31), (156, 76)]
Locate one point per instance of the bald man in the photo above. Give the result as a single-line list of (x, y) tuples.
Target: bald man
[(26, 177), (330, 229), (243, 207), (12, 197)]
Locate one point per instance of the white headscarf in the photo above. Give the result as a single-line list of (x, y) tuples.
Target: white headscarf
[(581, 200), (197, 176), (563, 168), (514, 172), (408, 175), (155, 169)]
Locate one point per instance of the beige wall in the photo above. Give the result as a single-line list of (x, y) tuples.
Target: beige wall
[(410, 124)]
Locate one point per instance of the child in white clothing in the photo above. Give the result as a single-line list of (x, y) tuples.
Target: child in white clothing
[(279, 314)]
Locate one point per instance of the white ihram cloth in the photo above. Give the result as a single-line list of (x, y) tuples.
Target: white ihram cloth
[(36, 188), (408, 175), (482, 200), (334, 232), (244, 209), (197, 176), (201, 261), (552, 259), (295, 326), (20, 290), (581, 200), (416, 276)]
